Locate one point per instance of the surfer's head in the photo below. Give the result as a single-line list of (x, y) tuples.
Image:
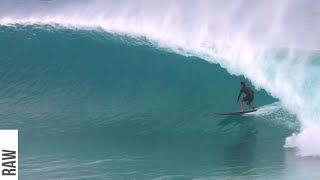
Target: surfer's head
[(243, 84)]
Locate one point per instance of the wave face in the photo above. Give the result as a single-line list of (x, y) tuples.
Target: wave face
[(86, 102), (75, 74), (91, 105)]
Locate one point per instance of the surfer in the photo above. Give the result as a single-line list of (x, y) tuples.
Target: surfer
[(248, 98)]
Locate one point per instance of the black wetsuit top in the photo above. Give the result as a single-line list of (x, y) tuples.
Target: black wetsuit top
[(247, 91)]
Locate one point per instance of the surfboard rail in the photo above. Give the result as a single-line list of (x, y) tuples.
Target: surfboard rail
[(237, 113)]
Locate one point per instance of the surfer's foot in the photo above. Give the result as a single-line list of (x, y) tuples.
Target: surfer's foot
[(254, 108), (241, 110)]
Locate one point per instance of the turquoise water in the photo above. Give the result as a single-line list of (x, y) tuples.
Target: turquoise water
[(89, 109), (118, 92)]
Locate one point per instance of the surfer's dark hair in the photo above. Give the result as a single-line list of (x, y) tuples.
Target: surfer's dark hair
[(243, 83)]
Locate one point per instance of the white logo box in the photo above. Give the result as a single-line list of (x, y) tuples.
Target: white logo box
[(9, 154)]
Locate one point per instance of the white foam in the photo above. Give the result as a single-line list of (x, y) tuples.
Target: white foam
[(269, 42), (274, 114), (268, 109), (307, 142)]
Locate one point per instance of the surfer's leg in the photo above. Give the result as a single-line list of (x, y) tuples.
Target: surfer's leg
[(250, 104), (241, 105), (245, 99)]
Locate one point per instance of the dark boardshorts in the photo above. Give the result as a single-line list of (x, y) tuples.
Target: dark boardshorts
[(248, 99)]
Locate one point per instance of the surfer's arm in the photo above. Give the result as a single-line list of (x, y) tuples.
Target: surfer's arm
[(239, 95)]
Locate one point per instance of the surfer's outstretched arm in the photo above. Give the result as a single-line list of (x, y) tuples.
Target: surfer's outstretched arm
[(239, 95)]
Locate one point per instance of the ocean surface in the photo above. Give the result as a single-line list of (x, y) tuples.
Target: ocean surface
[(129, 89)]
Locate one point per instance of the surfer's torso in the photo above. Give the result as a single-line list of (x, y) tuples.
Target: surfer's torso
[(247, 91)]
